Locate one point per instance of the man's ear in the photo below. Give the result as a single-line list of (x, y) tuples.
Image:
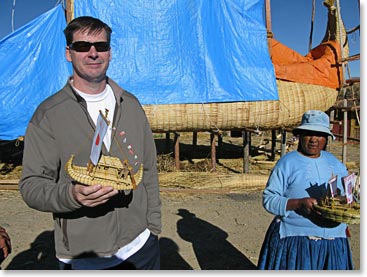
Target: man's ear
[(68, 54)]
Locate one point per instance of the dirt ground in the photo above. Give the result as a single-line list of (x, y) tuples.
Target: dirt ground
[(203, 229)]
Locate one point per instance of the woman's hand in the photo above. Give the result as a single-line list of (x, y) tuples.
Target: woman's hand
[(305, 204)]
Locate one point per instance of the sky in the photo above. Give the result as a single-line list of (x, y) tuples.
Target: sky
[(290, 19)]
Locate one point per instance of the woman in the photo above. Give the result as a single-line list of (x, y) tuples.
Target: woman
[(298, 238)]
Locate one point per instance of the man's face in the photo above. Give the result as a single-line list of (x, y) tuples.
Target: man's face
[(90, 66)]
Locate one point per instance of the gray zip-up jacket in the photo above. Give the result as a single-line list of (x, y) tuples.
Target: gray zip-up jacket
[(61, 126)]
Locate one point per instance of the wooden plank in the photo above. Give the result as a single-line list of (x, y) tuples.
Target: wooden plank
[(9, 181), (9, 184)]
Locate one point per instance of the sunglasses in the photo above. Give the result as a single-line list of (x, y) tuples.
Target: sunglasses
[(84, 46)]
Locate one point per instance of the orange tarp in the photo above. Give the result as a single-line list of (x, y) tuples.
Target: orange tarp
[(318, 67)]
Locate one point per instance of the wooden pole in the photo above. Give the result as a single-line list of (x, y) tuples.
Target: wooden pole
[(345, 102), (345, 132), (352, 129), (69, 10), (312, 23), (268, 16), (213, 154), (167, 141), (284, 143), (273, 144), (246, 137), (177, 150), (268, 23), (195, 138)]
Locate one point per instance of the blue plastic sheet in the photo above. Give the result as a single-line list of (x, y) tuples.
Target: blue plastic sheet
[(179, 52), (33, 66), (164, 52)]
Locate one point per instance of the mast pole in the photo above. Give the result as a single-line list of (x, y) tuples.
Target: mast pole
[(69, 10), (312, 23), (268, 23), (345, 101)]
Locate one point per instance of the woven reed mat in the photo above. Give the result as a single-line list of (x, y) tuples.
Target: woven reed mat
[(206, 180)]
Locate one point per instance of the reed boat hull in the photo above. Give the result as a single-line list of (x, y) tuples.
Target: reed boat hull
[(294, 100)]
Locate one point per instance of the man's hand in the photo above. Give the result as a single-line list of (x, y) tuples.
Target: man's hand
[(92, 196)]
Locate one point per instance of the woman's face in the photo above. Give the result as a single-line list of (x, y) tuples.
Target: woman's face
[(311, 143)]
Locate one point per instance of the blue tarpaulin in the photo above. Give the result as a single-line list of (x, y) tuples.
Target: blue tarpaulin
[(179, 52), (164, 52), (32, 67)]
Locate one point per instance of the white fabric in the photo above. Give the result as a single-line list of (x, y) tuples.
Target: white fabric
[(102, 101), (110, 261)]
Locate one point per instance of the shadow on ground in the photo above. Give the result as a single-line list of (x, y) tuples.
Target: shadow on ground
[(41, 255), (212, 249)]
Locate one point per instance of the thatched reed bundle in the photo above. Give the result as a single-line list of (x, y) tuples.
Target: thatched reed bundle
[(205, 180)]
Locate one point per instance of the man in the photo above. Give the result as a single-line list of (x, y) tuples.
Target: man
[(96, 227)]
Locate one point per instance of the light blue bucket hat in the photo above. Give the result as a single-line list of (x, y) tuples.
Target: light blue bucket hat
[(314, 120)]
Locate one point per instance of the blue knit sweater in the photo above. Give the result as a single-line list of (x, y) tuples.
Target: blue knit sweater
[(298, 176)]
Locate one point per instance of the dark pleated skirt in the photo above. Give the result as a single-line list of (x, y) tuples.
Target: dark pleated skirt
[(302, 253)]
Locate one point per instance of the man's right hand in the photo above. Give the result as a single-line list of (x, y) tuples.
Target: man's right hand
[(92, 196)]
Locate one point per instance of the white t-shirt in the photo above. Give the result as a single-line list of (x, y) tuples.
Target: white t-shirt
[(110, 261), (101, 102)]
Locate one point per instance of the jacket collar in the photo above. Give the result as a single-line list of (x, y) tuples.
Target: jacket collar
[(117, 91)]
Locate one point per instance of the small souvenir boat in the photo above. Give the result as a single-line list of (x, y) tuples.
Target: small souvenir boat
[(110, 171), (339, 211)]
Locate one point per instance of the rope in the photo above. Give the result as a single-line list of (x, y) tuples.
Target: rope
[(12, 15)]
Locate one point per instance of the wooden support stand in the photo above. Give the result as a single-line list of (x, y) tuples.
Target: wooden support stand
[(246, 137), (213, 155), (177, 150)]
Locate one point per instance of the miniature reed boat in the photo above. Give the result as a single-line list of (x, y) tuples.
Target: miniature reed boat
[(110, 171), (339, 211)]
